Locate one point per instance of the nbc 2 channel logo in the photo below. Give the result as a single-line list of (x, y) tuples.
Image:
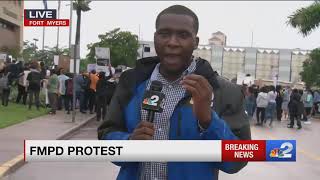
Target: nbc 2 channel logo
[(281, 150)]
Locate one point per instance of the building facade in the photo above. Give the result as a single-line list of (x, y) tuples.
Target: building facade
[(146, 49), (261, 63), (11, 25)]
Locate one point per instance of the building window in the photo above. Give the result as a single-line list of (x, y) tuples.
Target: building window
[(7, 26)]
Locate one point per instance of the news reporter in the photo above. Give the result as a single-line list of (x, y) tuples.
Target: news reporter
[(189, 112)]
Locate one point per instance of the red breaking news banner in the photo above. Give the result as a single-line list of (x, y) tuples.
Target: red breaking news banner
[(47, 22), (253, 150)]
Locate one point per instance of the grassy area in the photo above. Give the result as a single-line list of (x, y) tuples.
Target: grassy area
[(16, 113)]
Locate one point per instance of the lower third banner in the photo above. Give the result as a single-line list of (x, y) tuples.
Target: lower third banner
[(160, 151)]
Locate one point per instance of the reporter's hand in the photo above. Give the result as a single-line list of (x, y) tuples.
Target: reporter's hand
[(144, 131), (202, 93)]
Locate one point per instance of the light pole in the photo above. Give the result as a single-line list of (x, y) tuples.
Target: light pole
[(35, 47), (35, 42)]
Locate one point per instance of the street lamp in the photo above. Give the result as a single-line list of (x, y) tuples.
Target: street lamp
[(35, 47), (35, 42)]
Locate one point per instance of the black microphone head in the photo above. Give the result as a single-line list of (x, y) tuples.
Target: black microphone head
[(156, 86)]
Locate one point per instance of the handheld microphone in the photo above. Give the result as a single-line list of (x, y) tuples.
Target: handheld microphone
[(152, 100)]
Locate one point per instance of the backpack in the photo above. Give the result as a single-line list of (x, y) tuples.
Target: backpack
[(35, 79), (4, 81), (86, 83), (69, 87), (111, 88), (101, 89)]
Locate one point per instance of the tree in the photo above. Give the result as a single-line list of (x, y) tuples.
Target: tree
[(84, 63), (12, 51), (123, 47), (80, 6), (30, 52), (306, 19), (311, 69)]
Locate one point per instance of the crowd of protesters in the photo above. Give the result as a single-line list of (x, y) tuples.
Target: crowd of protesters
[(93, 90), (268, 103)]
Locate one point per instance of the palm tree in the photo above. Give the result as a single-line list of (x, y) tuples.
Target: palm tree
[(80, 6), (306, 19)]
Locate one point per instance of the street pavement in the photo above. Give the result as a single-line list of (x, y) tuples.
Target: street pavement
[(69, 170), (307, 165), (44, 127)]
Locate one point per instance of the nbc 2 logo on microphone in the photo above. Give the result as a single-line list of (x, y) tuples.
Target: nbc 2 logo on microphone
[(152, 101), (281, 150)]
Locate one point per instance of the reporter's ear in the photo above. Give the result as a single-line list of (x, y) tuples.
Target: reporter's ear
[(196, 43)]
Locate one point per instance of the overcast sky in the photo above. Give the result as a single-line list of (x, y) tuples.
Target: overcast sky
[(267, 21)]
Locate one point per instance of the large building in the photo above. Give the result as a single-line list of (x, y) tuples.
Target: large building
[(11, 25), (261, 63)]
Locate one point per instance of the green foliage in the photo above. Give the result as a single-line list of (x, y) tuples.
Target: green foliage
[(306, 19), (82, 5), (311, 69), (14, 52), (47, 55), (30, 52), (123, 47), (84, 63)]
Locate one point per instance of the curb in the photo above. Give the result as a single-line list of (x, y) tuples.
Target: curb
[(11, 166), (72, 130), (17, 162)]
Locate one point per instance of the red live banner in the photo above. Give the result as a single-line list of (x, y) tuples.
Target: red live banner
[(46, 22), (243, 150)]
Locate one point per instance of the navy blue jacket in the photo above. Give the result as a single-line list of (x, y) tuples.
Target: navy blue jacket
[(124, 116)]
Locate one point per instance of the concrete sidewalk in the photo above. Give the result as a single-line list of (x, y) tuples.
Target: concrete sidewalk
[(42, 128)]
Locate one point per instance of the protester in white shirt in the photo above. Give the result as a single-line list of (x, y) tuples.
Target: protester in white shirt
[(22, 84), (262, 103), (271, 109)]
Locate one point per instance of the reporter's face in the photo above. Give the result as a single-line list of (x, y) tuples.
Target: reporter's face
[(175, 39)]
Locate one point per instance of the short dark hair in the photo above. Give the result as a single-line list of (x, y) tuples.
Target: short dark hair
[(180, 10), (53, 71)]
